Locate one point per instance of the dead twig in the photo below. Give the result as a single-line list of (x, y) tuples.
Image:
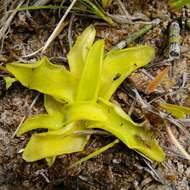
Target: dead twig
[(41, 2), (26, 115), (154, 173), (70, 40), (129, 18), (59, 27), (5, 25), (8, 21), (150, 108), (95, 153), (44, 174), (131, 38), (123, 9), (173, 153), (123, 19), (177, 143)]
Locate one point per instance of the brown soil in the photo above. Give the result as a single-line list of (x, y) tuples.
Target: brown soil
[(119, 168)]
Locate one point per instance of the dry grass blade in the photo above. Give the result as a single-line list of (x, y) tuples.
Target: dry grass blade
[(155, 174), (156, 82), (6, 25), (70, 40), (59, 27), (26, 115), (41, 2), (122, 7), (33, 53), (177, 144), (95, 153)]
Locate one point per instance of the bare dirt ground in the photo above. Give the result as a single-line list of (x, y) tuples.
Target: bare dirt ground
[(119, 168)]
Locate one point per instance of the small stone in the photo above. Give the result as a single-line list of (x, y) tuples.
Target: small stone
[(180, 167), (26, 183)]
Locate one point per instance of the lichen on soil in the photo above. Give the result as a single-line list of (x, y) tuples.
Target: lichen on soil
[(119, 168)]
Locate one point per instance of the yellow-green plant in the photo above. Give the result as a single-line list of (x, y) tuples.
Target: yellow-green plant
[(79, 99), (179, 112)]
